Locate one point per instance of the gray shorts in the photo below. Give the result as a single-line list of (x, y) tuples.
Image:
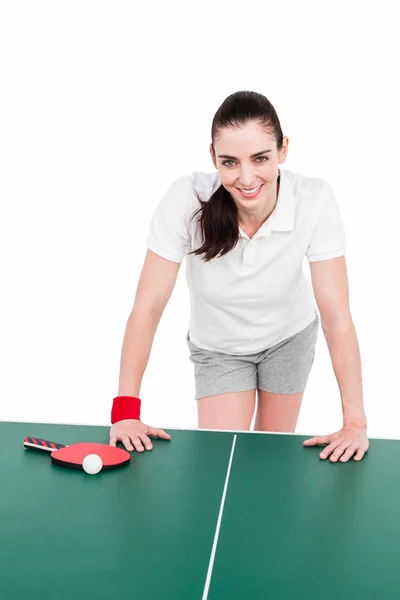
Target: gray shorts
[(281, 369)]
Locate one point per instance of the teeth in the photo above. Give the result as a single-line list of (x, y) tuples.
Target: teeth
[(249, 191)]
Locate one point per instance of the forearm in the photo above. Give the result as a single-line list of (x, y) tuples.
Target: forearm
[(346, 361), (136, 348)]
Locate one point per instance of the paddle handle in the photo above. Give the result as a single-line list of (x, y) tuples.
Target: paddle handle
[(40, 444)]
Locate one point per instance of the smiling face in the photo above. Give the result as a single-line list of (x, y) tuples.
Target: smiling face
[(248, 161)]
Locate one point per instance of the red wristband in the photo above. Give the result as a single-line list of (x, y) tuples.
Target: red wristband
[(125, 407)]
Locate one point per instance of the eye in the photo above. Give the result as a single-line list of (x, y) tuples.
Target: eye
[(264, 159)]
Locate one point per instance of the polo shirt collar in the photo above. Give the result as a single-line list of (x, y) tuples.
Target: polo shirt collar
[(282, 217)]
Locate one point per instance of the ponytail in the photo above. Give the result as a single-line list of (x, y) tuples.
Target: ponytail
[(218, 224)]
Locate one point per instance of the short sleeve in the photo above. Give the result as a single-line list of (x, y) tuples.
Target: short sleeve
[(168, 234), (328, 239)]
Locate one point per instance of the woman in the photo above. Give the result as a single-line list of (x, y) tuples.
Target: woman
[(245, 230)]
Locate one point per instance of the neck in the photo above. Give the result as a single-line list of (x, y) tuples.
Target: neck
[(256, 219)]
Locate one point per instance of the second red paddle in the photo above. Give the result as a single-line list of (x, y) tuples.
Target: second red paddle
[(73, 456)]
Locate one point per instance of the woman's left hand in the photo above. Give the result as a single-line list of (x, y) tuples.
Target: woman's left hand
[(342, 445)]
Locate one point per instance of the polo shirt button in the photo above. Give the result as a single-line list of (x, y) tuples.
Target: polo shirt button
[(248, 257)]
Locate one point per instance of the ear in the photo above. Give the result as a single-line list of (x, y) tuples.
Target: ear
[(283, 151), (213, 156)]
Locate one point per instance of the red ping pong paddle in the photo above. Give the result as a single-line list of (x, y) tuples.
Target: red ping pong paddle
[(72, 456)]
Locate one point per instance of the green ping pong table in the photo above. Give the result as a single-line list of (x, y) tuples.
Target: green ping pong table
[(217, 515)]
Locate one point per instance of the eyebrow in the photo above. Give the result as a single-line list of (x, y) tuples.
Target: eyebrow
[(252, 156)]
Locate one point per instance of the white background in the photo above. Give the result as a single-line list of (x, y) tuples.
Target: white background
[(103, 105)]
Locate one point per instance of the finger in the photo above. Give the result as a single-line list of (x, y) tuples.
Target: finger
[(317, 440), (126, 442), (360, 454), (158, 433), (337, 453), (113, 441), (146, 441), (137, 443), (328, 450), (348, 454)]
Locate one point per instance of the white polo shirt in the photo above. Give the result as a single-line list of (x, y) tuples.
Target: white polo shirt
[(257, 294)]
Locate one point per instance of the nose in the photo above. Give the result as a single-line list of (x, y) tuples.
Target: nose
[(246, 176)]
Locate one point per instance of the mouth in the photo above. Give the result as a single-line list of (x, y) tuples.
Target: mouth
[(250, 193)]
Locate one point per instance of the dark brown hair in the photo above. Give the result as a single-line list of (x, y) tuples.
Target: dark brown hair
[(218, 220)]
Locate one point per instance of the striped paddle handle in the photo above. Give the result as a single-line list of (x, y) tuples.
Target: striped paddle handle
[(39, 444)]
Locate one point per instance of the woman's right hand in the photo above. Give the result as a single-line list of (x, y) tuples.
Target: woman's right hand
[(134, 435)]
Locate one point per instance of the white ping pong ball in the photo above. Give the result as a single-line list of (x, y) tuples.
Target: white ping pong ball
[(92, 464)]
